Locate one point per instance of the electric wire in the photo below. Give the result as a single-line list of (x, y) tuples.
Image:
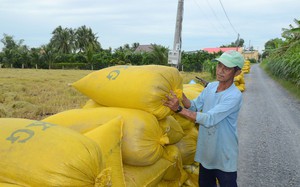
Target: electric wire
[(206, 17), (228, 17), (214, 13)]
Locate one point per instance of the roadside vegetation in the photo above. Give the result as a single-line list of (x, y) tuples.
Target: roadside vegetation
[(282, 58)]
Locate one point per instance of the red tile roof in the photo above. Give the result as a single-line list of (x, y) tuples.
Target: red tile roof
[(218, 49)]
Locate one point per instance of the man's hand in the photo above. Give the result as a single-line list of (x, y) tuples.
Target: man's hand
[(172, 101)]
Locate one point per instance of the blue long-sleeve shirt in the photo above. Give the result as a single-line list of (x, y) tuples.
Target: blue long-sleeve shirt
[(217, 114)]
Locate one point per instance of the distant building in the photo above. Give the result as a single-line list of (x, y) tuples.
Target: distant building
[(144, 48), (251, 55), (222, 49), (246, 54)]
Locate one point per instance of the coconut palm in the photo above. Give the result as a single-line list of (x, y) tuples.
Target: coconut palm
[(160, 54), (63, 40), (86, 40), (293, 33)]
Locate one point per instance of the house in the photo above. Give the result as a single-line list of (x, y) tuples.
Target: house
[(251, 55), (246, 54), (144, 48), (222, 49)]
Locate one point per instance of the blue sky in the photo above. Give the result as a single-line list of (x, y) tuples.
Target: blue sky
[(119, 22)]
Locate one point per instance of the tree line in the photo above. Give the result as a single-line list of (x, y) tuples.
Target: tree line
[(80, 49)]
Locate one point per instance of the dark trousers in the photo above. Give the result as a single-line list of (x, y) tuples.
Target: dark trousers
[(207, 178)]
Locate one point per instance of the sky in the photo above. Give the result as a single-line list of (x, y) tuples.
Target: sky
[(206, 23)]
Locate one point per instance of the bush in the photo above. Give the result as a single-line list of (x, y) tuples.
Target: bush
[(66, 65)]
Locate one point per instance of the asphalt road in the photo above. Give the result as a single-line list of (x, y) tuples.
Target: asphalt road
[(269, 134)]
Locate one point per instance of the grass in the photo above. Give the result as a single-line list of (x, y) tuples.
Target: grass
[(36, 94), (188, 76), (290, 87)]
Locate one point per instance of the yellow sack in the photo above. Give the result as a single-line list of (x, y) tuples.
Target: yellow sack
[(187, 146), (172, 128), (137, 87), (185, 123), (150, 176), (193, 174), (173, 155), (192, 168), (165, 183), (143, 139), (195, 87), (8, 185), (180, 182), (241, 87), (91, 104), (36, 154), (236, 84), (192, 180), (192, 91), (109, 138)]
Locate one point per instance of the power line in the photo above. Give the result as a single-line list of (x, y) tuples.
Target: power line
[(227, 17), (206, 17), (214, 13)]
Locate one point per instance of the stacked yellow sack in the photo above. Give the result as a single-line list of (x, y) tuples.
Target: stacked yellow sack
[(246, 67), (138, 87), (143, 139), (239, 82), (155, 144), (109, 138), (35, 153), (187, 145), (192, 90), (134, 88)]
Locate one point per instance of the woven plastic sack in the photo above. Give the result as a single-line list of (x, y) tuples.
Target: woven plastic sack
[(173, 129), (109, 137), (185, 123), (35, 153), (195, 87), (137, 87), (173, 155), (143, 140), (91, 104), (8, 185), (192, 90), (187, 146), (150, 176)]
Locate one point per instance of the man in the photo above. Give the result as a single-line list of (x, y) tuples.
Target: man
[(216, 111)]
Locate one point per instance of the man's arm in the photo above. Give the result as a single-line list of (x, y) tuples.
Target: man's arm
[(173, 104), (188, 114)]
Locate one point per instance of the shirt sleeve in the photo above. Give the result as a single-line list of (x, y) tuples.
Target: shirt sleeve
[(220, 111), (197, 103)]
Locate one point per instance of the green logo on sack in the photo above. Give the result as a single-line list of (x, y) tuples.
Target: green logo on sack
[(113, 74), (23, 135)]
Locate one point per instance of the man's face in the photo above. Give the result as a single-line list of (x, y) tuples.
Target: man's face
[(224, 73)]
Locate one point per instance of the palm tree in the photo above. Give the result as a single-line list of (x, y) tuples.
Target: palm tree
[(47, 55), (160, 54), (292, 34), (63, 40), (86, 40)]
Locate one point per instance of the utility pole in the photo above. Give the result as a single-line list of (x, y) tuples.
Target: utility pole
[(174, 56), (238, 42)]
